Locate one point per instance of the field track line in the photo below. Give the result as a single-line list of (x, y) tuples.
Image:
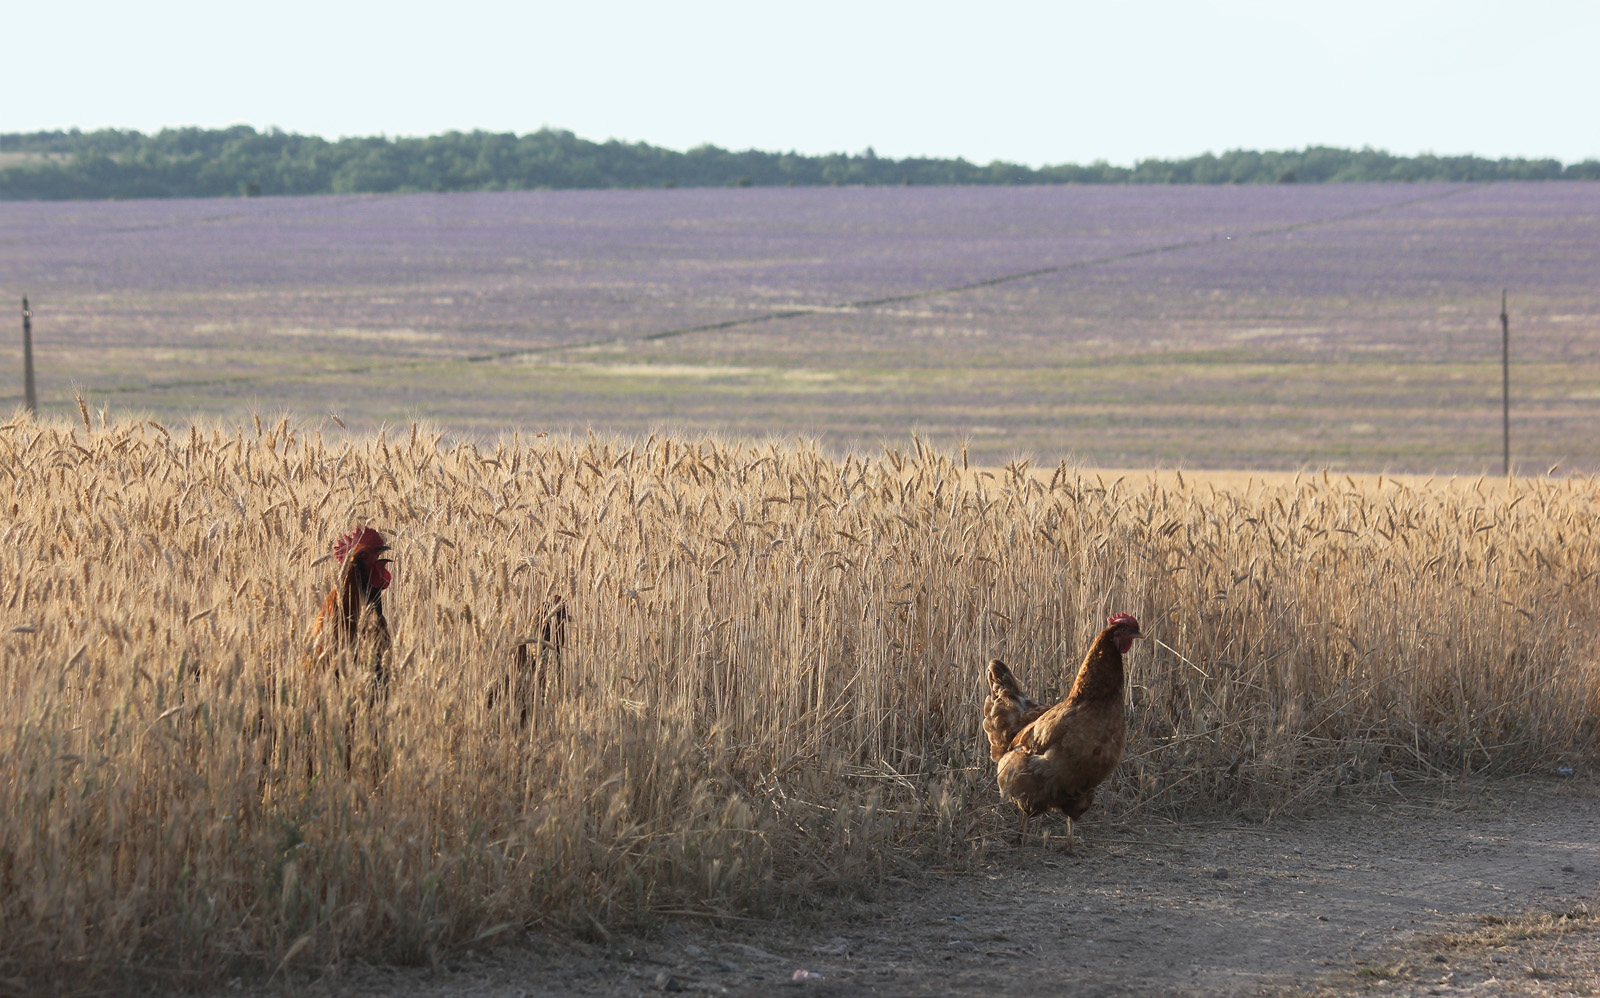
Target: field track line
[(752, 320)]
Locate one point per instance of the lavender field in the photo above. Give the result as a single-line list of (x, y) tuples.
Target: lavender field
[(1349, 326)]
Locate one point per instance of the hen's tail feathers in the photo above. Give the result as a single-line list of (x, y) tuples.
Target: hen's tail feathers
[(1007, 710), (1002, 683)]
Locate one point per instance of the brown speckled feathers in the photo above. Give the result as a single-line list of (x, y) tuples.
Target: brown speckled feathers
[(1007, 710)]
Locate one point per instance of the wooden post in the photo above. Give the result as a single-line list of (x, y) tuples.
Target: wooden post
[(30, 397), (1505, 381)]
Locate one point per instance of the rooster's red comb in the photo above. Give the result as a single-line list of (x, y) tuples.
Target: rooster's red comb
[(1120, 619), (359, 539)]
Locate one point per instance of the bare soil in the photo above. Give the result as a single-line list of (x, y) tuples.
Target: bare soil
[(1467, 890)]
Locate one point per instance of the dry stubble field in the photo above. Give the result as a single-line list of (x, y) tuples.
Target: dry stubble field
[(1349, 326), (769, 703)]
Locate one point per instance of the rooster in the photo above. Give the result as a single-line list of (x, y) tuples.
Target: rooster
[(1054, 758), (351, 625)]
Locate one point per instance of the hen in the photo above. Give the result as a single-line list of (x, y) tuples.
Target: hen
[(351, 626), (536, 662), (1054, 759)]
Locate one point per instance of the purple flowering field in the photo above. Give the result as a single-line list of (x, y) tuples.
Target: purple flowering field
[(1350, 326)]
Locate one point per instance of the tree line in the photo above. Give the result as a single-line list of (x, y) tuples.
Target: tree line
[(240, 161)]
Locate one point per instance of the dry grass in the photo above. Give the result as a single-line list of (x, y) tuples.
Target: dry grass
[(1503, 930), (771, 687), (1534, 954)]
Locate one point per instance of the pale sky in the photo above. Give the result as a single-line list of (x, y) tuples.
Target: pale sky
[(1026, 81)]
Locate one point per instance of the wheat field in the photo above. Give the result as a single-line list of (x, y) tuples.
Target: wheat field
[(770, 690)]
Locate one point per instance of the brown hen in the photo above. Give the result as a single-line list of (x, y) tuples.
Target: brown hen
[(1058, 756), (536, 662)]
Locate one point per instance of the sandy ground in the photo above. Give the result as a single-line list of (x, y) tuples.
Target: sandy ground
[(1411, 892)]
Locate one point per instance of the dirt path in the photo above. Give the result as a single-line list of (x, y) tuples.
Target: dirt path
[(1382, 897)]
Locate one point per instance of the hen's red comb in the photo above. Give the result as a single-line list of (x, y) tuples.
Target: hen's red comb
[(1119, 619), (359, 539)]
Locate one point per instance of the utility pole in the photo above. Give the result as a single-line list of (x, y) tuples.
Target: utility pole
[(1505, 380), (31, 397)]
